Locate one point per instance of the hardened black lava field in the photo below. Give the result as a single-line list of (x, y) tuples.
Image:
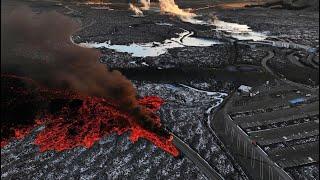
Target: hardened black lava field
[(192, 89)]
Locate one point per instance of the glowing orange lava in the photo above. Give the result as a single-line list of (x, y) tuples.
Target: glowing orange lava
[(82, 121)]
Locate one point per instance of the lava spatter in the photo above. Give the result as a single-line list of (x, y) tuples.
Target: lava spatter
[(75, 121)]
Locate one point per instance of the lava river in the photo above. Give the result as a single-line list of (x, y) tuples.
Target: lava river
[(70, 119)]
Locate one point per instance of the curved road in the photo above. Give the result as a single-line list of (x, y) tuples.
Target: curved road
[(294, 60), (286, 81), (202, 164), (265, 60)]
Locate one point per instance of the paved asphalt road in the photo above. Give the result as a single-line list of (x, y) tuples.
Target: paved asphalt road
[(202, 164)]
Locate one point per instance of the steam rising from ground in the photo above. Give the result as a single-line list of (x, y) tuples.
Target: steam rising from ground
[(169, 6), (39, 47), (145, 4), (241, 32), (166, 6), (135, 9)]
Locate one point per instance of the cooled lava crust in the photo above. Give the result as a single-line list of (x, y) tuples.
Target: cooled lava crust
[(71, 119)]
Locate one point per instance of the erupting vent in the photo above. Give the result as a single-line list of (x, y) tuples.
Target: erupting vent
[(72, 120)]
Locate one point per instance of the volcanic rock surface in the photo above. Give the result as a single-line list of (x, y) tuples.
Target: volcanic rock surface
[(219, 68)]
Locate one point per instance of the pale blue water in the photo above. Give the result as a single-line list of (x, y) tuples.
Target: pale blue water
[(153, 49)]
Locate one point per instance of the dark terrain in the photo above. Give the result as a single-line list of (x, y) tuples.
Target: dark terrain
[(185, 77)]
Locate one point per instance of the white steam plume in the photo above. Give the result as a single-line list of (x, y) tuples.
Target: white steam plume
[(145, 4), (136, 10)]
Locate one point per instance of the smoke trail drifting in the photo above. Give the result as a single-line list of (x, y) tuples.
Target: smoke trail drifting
[(39, 47)]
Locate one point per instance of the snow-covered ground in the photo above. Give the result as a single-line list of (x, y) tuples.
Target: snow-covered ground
[(185, 114), (115, 157)]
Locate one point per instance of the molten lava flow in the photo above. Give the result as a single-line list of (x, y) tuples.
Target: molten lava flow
[(72, 120), (22, 100)]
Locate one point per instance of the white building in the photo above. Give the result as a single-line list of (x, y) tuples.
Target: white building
[(247, 91)]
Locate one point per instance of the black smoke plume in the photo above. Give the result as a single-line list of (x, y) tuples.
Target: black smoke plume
[(38, 46)]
